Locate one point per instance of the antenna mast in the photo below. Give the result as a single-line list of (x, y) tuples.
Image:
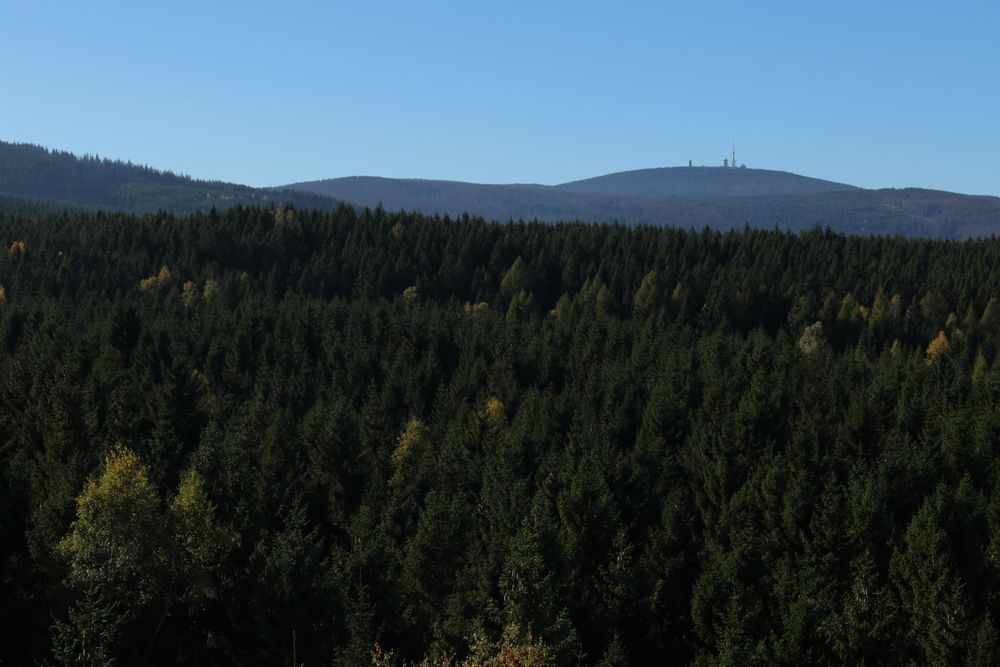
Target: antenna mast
[(734, 154)]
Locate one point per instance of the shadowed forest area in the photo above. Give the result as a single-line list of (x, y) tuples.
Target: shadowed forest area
[(266, 435)]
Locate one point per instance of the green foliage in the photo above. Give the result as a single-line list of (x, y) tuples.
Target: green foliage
[(737, 448), (516, 282), (87, 639), (812, 338), (116, 543), (201, 544), (647, 296)]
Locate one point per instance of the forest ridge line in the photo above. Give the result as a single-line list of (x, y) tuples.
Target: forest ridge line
[(687, 197)]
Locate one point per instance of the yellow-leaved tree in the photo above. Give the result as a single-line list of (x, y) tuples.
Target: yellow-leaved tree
[(117, 539), (812, 338), (129, 562), (189, 293), (937, 347), (159, 280), (496, 413), (115, 556), (409, 446)]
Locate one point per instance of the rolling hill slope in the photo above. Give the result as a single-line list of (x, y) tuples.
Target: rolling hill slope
[(689, 197), (36, 179), (56, 177), (701, 182)]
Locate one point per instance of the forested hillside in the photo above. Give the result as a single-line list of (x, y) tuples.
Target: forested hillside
[(33, 178), (688, 197), (59, 177), (666, 182), (265, 435), (24, 206)]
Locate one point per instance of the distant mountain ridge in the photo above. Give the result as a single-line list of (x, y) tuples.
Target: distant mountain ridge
[(58, 177), (688, 197), (35, 180), (702, 182), (593, 197)]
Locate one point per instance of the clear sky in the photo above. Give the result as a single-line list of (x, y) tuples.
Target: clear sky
[(881, 93)]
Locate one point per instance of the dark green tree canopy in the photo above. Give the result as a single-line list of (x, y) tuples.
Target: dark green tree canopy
[(265, 435)]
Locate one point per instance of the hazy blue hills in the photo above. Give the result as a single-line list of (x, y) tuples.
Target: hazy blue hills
[(495, 202), (906, 212), (57, 177), (701, 182), (665, 196), (630, 196), (38, 180), (688, 197)]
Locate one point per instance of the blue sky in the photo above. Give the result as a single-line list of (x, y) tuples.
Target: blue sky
[(885, 94)]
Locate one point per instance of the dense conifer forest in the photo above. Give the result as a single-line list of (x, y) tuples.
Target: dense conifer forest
[(269, 436)]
